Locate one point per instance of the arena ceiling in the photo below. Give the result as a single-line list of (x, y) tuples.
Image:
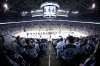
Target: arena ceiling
[(89, 10)]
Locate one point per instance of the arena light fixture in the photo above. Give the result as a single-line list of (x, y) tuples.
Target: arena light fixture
[(5, 5), (75, 12), (93, 6)]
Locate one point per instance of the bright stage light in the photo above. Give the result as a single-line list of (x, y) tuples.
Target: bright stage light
[(5, 5), (93, 6)]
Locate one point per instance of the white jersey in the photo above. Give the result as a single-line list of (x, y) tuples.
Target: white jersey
[(37, 47), (60, 45)]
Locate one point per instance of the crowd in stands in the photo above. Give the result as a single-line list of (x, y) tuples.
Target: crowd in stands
[(74, 51), (71, 51), (22, 51)]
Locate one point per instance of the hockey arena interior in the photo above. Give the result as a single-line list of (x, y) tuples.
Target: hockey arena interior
[(49, 32)]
